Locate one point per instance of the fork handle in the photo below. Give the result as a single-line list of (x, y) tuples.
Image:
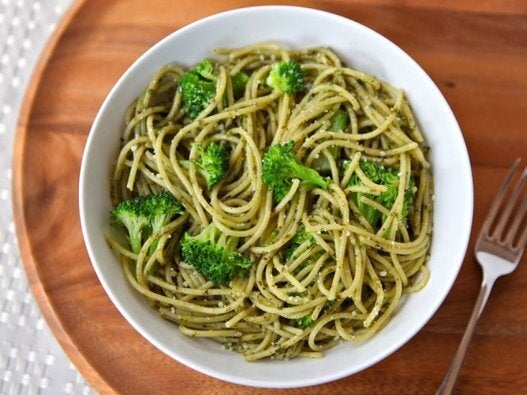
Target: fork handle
[(447, 386)]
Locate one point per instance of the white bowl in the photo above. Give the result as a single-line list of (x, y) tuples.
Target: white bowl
[(361, 48)]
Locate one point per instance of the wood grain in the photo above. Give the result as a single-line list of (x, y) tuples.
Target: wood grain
[(475, 51)]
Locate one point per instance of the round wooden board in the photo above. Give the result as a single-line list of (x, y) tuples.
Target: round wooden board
[(478, 59)]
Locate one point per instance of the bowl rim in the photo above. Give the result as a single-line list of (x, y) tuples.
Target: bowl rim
[(288, 383)]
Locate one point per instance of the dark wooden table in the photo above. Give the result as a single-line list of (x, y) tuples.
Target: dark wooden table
[(476, 52)]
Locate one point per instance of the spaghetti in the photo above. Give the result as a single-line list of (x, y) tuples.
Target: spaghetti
[(365, 240)]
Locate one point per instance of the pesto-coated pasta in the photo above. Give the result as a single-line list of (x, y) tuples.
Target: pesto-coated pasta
[(365, 238)]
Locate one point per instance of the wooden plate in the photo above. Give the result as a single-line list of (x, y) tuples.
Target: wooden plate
[(479, 60)]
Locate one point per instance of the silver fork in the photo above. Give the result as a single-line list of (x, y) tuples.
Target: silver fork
[(498, 252)]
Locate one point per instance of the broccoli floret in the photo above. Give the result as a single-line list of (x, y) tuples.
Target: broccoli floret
[(305, 322), (214, 255), (206, 70), (161, 207), (300, 238), (130, 213), (239, 81), (338, 122), (281, 166), (147, 214), (213, 163), (198, 87), (384, 176), (286, 76)]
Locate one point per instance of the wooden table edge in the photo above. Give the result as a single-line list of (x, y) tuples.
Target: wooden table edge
[(24, 245)]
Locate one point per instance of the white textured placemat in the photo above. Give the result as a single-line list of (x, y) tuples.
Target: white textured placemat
[(31, 361)]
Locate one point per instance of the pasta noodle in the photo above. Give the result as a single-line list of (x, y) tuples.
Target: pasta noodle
[(347, 283)]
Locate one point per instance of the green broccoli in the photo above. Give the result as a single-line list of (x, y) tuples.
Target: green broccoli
[(198, 87), (147, 214), (281, 166), (214, 255), (206, 70), (213, 163), (130, 213), (338, 122), (161, 208), (384, 176), (286, 76), (300, 238), (305, 321), (239, 81)]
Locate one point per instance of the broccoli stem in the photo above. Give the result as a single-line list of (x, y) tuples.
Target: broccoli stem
[(239, 81), (338, 123), (308, 175), (134, 235), (210, 234)]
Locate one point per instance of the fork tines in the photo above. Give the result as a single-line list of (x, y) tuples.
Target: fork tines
[(500, 226)]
